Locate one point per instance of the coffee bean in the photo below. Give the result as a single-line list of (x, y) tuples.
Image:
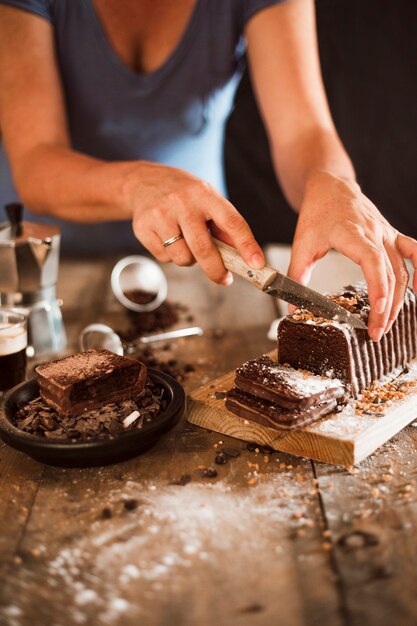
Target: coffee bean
[(221, 458), (206, 472), (232, 453)]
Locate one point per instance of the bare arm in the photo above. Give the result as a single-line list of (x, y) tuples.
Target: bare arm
[(50, 177), (53, 179), (313, 167)]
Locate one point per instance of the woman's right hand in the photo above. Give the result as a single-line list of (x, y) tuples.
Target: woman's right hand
[(167, 201)]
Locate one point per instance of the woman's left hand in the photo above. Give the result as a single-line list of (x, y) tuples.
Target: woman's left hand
[(336, 214)]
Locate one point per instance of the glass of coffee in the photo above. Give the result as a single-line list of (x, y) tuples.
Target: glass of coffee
[(13, 342)]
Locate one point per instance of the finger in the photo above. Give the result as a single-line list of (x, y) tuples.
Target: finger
[(152, 243), (372, 260), (232, 228), (217, 232), (401, 282), (178, 252), (204, 250), (391, 280), (303, 258), (408, 249)]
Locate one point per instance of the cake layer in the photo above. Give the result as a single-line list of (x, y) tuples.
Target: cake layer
[(269, 414), (330, 348), (285, 386), (88, 380)]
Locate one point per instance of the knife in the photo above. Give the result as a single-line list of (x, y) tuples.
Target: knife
[(275, 284)]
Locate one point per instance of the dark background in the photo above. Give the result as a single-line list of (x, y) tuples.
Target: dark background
[(368, 51)]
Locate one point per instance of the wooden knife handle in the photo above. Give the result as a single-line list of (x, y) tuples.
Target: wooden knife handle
[(234, 263)]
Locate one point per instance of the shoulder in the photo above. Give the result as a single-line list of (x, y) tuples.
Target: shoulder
[(248, 8), (237, 12), (43, 8)]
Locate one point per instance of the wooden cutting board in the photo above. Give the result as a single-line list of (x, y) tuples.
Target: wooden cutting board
[(341, 438)]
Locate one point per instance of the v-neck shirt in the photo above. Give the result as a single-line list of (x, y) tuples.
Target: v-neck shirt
[(175, 115)]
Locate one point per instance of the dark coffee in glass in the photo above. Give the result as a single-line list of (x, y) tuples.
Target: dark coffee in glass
[(13, 342)]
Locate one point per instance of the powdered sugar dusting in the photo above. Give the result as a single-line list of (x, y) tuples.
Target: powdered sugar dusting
[(122, 566), (305, 383)]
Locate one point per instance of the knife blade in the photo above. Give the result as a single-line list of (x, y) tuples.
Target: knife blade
[(277, 285)]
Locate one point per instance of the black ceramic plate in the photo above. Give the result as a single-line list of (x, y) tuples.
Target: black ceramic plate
[(91, 452)]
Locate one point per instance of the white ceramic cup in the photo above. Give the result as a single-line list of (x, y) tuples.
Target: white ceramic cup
[(139, 272)]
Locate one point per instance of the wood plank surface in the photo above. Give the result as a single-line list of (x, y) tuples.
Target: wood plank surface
[(255, 545), (371, 513)]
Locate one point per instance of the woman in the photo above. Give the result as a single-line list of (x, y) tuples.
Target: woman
[(115, 110)]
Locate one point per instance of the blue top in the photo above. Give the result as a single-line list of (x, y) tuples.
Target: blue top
[(175, 115)]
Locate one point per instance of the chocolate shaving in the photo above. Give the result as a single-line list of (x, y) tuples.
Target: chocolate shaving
[(37, 418)]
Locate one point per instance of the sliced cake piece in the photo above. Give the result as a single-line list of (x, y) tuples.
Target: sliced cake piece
[(285, 386), (88, 380), (334, 349), (269, 414)]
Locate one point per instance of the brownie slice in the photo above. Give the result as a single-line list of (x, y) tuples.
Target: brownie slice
[(88, 380), (269, 414), (285, 386), (335, 349)]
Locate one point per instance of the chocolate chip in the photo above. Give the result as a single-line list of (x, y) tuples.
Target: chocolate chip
[(221, 458), (232, 453), (206, 472), (266, 450), (252, 447), (106, 513), (131, 504), (219, 395)]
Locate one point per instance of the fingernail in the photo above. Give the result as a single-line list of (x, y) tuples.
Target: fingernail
[(376, 334), (227, 280), (380, 305), (257, 261)]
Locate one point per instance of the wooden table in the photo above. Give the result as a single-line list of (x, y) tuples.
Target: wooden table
[(272, 540)]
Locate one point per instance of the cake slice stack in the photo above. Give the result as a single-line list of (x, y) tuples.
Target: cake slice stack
[(280, 396), (88, 380)]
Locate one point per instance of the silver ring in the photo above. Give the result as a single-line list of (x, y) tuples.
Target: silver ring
[(172, 240)]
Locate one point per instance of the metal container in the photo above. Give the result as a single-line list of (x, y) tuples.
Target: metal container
[(29, 263)]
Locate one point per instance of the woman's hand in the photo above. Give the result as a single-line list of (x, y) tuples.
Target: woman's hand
[(335, 214), (167, 202)]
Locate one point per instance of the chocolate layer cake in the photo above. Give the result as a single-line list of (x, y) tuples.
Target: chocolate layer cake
[(269, 414), (331, 348), (88, 380), (279, 396), (285, 386)]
